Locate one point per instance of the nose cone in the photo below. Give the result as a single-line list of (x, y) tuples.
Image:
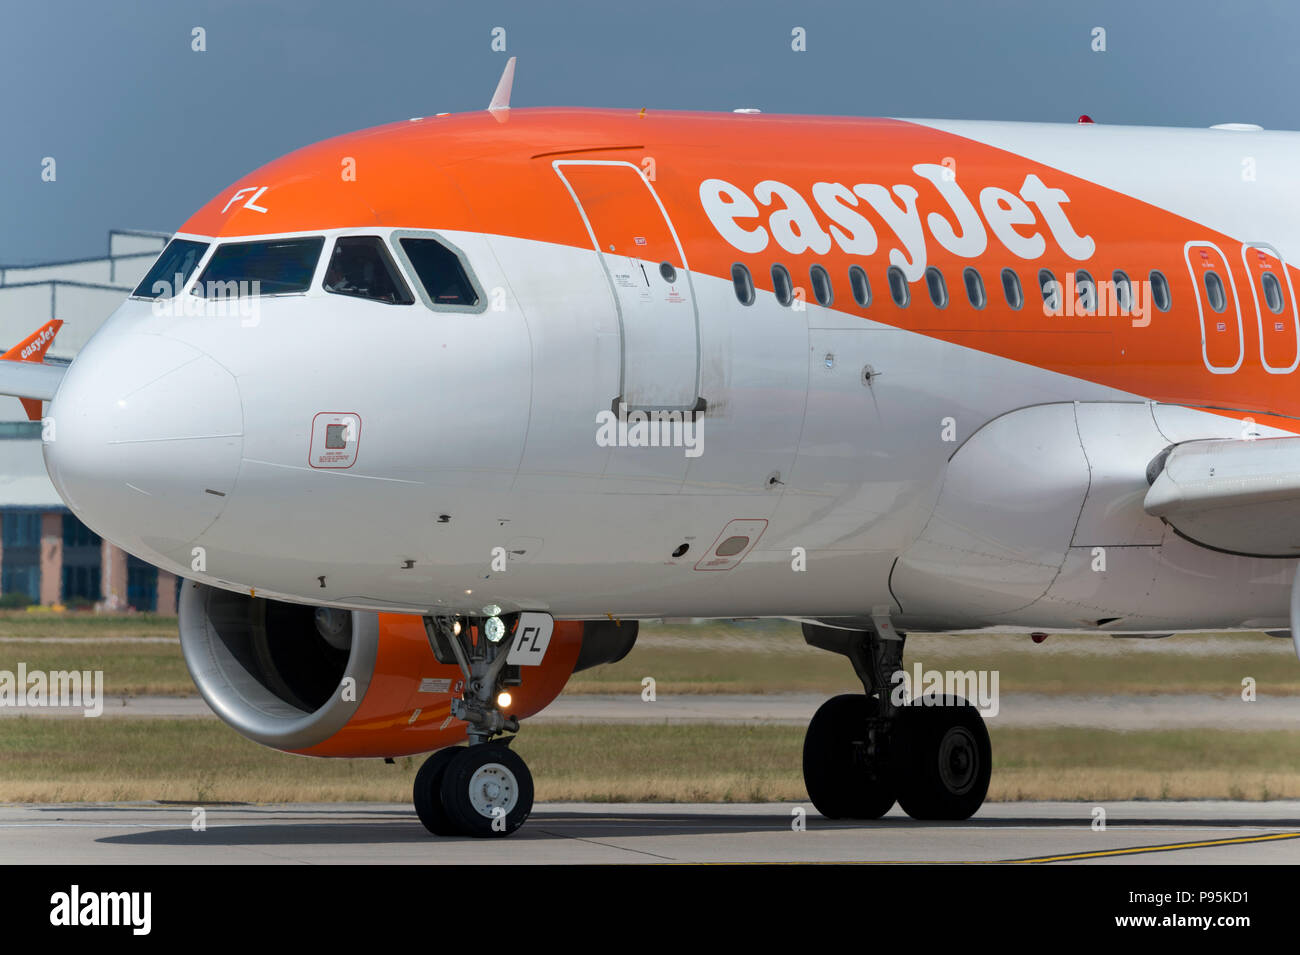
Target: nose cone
[(145, 441)]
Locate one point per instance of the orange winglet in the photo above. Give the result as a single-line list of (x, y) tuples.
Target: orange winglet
[(33, 348)]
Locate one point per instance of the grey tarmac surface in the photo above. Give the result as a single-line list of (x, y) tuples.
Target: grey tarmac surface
[(1169, 833), (1121, 712)]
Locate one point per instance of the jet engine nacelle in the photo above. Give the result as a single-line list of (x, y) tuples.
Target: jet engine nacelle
[(325, 682)]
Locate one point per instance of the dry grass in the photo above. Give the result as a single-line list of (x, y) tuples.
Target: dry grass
[(192, 761), (37, 624), (130, 669), (1112, 784), (1076, 763), (770, 656)]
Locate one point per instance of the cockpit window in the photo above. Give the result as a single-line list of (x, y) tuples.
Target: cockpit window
[(172, 270), (441, 272), (272, 267), (361, 266)]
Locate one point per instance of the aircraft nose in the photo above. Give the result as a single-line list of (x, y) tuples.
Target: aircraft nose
[(143, 441)]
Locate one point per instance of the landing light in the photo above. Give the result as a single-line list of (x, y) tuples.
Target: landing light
[(504, 699), (494, 629)]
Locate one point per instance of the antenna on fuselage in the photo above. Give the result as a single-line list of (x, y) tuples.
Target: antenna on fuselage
[(501, 98)]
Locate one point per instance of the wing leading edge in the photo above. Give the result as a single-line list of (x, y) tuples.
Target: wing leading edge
[(1241, 496)]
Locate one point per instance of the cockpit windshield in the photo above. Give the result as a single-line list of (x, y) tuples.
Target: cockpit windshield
[(441, 272), (270, 267), (361, 267), (172, 270)]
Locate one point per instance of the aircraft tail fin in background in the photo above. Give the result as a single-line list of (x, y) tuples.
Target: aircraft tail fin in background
[(32, 349), (35, 345)]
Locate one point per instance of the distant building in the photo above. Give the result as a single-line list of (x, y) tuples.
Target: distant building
[(46, 553)]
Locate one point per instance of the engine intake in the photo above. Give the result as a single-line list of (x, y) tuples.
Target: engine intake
[(274, 671), (325, 682)]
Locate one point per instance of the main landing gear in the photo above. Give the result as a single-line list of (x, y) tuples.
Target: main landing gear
[(483, 789), (863, 752)]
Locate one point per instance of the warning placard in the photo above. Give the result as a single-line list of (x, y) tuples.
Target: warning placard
[(335, 438)]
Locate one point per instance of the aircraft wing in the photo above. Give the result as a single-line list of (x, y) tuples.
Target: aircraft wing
[(24, 374), (1241, 496), (25, 379)]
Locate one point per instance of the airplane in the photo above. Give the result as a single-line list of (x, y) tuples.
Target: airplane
[(430, 415)]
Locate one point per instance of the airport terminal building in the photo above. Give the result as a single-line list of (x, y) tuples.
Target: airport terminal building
[(47, 555)]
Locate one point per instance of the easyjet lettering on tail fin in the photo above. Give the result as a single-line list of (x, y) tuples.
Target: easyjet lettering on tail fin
[(33, 348)]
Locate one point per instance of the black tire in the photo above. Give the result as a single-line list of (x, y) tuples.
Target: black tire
[(427, 794), (942, 760), (466, 789), (841, 784)]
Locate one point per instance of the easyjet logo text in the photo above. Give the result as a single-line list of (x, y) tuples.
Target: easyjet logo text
[(38, 346), (862, 218)]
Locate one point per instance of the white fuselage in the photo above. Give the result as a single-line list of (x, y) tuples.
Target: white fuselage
[(480, 476)]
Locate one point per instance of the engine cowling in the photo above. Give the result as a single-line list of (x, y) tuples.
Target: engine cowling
[(279, 673)]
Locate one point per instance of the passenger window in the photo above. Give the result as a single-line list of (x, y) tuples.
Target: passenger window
[(898, 289), (441, 272), (1272, 292), (1214, 291), (1086, 290), (782, 286), (274, 267), (1123, 290), (1159, 290), (1050, 289), (937, 286), (361, 267), (743, 284), (974, 287), (821, 285), (172, 270), (1015, 296), (860, 286)]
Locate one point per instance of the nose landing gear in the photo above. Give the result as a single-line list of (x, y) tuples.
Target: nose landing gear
[(487, 790), (483, 789)]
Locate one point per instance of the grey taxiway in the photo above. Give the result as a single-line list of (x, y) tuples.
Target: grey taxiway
[(1001, 833)]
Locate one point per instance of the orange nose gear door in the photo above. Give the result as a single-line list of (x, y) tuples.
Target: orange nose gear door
[(647, 271)]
